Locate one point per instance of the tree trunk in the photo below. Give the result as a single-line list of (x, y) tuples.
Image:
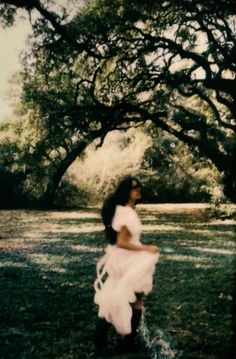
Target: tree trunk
[(226, 165), (48, 197), (229, 182)]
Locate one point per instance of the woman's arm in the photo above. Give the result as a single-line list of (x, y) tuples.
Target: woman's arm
[(123, 241)]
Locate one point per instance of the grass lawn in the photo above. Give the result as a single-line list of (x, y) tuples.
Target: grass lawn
[(47, 269)]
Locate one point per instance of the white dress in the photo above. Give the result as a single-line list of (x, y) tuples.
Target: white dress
[(121, 273)]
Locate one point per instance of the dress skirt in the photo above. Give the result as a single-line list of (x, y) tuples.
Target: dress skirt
[(122, 273)]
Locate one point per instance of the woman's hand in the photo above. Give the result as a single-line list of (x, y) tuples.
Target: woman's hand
[(152, 249)]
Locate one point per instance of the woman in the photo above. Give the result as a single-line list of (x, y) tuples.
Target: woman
[(126, 270)]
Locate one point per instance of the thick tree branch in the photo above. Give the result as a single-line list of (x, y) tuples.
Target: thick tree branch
[(20, 3), (154, 42), (208, 148), (196, 91)]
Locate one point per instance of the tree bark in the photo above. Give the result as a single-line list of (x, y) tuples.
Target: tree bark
[(229, 182), (47, 200)]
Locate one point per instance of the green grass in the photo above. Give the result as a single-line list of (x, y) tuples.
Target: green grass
[(47, 270)]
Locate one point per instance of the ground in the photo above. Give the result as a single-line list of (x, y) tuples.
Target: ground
[(47, 269)]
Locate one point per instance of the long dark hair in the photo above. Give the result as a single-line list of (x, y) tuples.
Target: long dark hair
[(121, 197)]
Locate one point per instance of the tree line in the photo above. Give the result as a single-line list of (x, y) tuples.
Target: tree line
[(114, 65)]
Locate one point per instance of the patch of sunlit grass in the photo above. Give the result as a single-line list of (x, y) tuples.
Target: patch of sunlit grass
[(202, 266), (14, 244), (85, 228), (84, 248), (211, 232), (7, 263), (173, 207), (167, 250), (30, 239), (161, 227), (213, 250), (230, 244), (184, 258), (55, 263), (73, 215)]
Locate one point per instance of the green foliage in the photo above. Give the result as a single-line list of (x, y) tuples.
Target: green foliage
[(217, 210), (7, 15), (99, 170), (169, 171), (173, 173), (69, 195), (110, 65), (22, 161), (12, 167)]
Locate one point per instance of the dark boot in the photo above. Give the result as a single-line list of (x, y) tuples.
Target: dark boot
[(129, 340), (100, 338)]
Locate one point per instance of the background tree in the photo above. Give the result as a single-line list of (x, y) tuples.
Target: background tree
[(173, 173)]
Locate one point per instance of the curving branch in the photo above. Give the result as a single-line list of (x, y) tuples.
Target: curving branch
[(212, 39), (196, 91)]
